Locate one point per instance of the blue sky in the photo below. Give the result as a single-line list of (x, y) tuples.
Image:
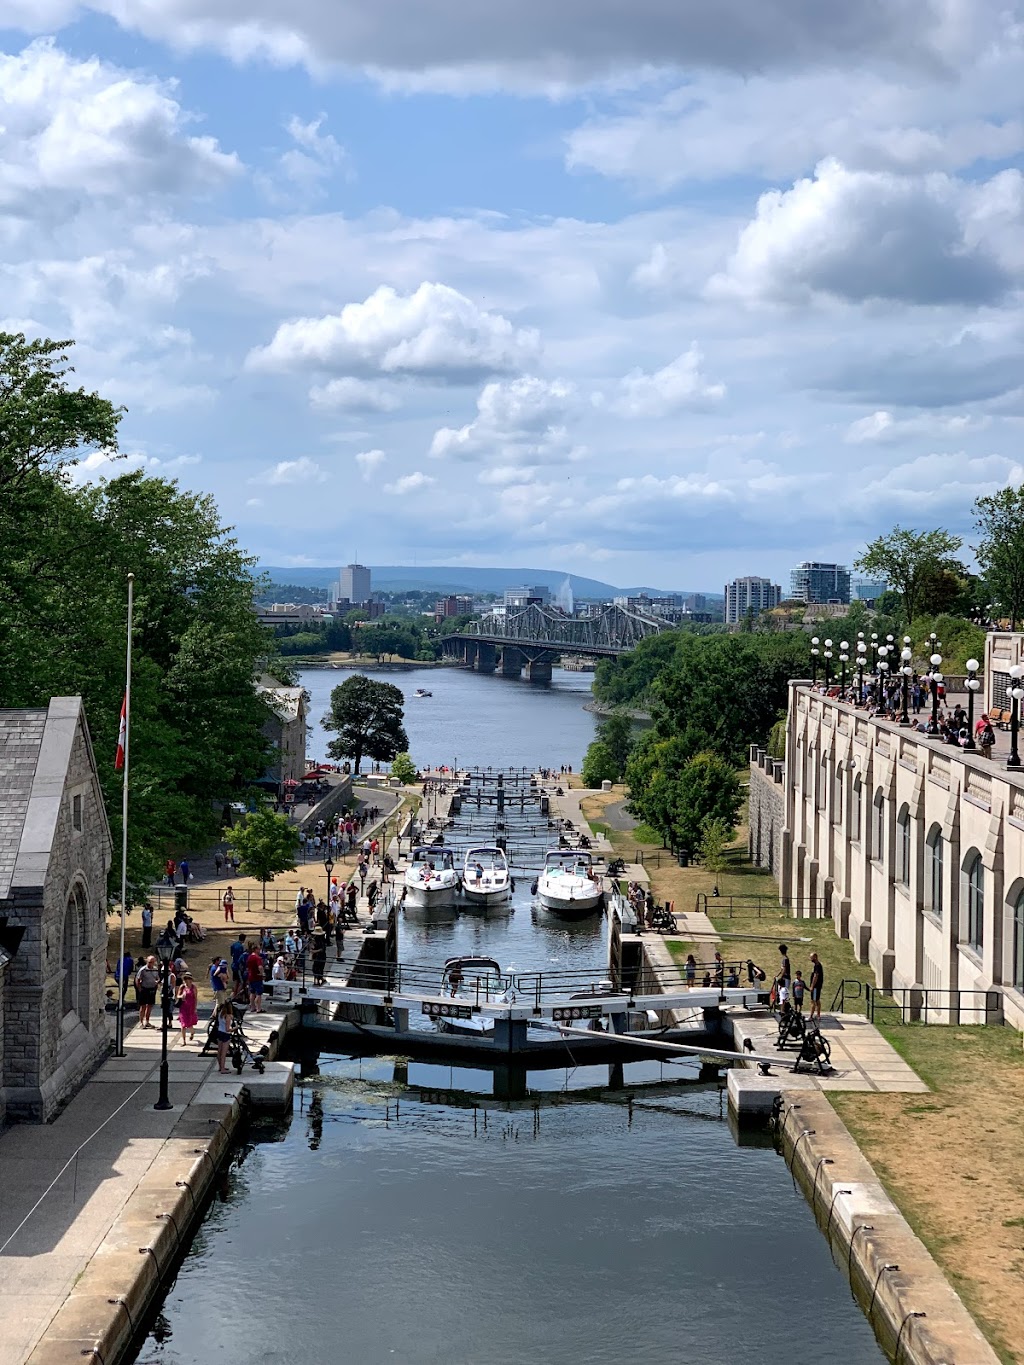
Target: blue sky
[(662, 291)]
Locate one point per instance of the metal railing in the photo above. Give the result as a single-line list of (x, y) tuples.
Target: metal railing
[(923, 1005), (807, 907), (849, 990)]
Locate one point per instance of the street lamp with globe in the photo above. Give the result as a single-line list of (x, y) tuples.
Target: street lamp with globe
[(973, 684), (936, 678), (862, 650), (828, 663), (814, 660), (1016, 695), (906, 655)]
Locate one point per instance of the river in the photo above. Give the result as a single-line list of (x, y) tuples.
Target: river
[(408, 1213), (474, 717)]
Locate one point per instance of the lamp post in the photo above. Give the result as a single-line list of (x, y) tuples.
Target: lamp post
[(936, 663), (883, 671), (906, 654), (862, 650), (972, 686), (828, 663), (1016, 694), (165, 946), (874, 651), (844, 659), (814, 660), (328, 868)]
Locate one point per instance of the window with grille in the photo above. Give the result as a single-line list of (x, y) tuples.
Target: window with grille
[(934, 878)]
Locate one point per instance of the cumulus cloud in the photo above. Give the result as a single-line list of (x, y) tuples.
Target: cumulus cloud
[(409, 483), (306, 167), (354, 395), (463, 45), (303, 470), (103, 464), (368, 461), (434, 333), (71, 128), (518, 422), (883, 427), (680, 384), (859, 235)]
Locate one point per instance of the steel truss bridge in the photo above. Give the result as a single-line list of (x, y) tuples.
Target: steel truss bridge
[(533, 639)]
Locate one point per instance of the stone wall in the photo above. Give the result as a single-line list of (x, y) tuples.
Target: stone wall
[(331, 804), (767, 803)]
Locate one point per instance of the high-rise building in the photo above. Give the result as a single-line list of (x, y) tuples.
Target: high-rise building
[(812, 581), (750, 594), (518, 599), (455, 605), (354, 584)]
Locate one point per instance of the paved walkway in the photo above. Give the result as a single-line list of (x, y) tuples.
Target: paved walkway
[(861, 1058), (81, 1169)]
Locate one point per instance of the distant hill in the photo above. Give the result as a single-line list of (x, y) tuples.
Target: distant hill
[(411, 578)]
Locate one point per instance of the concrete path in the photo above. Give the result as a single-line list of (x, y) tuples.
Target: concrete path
[(65, 1183)]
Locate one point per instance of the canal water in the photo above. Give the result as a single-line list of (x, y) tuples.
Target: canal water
[(408, 1213), (474, 717)]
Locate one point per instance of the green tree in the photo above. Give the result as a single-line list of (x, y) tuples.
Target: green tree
[(267, 844), (367, 716), (404, 769), (709, 792), (912, 563), (616, 733), (598, 765), (1000, 523), (716, 836)]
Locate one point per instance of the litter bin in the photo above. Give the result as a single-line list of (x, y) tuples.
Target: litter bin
[(683, 857), (180, 900)]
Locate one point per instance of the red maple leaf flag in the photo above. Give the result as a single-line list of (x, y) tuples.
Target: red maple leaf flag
[(122, 735)]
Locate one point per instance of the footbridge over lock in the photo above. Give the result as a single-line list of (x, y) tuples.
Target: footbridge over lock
[(529, 642)]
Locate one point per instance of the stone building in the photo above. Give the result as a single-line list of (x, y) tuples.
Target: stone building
[(285, 730), (55, 853), (914, 847)]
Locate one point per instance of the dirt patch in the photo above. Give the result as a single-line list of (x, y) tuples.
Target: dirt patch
[(953, 1161)]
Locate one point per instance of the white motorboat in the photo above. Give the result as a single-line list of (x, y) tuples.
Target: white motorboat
[(423, 692), (486, 879), (430, 880), (467, 982), (568, 886)]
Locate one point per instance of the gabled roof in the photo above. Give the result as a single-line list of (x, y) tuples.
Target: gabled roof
[(21, 738), (288, 702)]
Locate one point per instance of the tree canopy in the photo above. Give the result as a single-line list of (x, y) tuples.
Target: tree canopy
[(367, 717), (1000, 523), (919, 565), (267, 844)]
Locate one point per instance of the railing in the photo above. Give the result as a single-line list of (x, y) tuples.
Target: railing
[(806, 907), (848, 989), (923, 1005)]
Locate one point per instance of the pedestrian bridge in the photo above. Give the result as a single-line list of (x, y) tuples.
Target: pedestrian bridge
[(533, 639)]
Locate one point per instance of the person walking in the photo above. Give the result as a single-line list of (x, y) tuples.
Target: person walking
[(986, 738), (123, 972), (220, 980), (785, 974), (185, 871), (339, 936), (225, 1023), (218, 862), (147, 924), (170, 867), (254, 979), (817, 986), (188, 1013), (319, 957), (229, 905), (146, 981), (239, 952)]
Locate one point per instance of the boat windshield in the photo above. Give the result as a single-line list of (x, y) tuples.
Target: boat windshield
[(570, 861)]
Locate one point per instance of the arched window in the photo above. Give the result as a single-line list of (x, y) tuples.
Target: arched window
[(933, 871), (878, 825), (856, 809), (974, 872), (903, 846), (1018, 943)]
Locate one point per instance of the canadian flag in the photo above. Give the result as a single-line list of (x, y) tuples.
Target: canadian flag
[(122, 735)]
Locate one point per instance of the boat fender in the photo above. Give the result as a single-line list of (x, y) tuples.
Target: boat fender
[(533, 887)]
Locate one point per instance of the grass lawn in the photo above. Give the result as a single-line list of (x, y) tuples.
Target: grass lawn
[(952, 1160)]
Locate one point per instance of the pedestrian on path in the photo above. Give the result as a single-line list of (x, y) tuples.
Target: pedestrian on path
[(229, 906), (817, 986), (218, 862), (254, 977), (188, 1014), (146, 981), (170, 867), (225, 1022), (339, 937), (123, 972), (220, 976), (183, 868), (785, 973), (147, 925)]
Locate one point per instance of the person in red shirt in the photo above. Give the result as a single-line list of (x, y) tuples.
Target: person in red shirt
[(254, 977)]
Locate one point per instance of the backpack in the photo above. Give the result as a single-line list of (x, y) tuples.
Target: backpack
[(988, 736)]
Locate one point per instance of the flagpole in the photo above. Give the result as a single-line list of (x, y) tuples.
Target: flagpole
[(119, 1048)]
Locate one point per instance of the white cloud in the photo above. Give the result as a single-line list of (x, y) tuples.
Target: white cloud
[(354, 395), (433, 333), (71, 129), (518, 422), (859, 235), (459, 44), (369, 461), (679, 385), (307, 166), (883, 427), (303, 470), (102, 464), (409, 483)]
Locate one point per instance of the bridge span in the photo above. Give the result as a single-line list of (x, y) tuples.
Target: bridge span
[(532, 640)]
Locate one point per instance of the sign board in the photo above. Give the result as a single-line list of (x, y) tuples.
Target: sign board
[(567, 1013), (442, 1009)]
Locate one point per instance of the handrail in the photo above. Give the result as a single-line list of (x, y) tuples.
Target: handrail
[(813, 907), (915, 1004), (845, 988)]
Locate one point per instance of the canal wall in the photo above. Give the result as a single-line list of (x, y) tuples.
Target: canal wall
[(767, 810), (916, 1315)]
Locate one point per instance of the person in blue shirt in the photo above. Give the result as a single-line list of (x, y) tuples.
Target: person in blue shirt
[(123, 972)]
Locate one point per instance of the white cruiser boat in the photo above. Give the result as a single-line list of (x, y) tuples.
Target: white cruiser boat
[(568, 886), (486, 879), (430, 880), (470, 981), (423, 692)]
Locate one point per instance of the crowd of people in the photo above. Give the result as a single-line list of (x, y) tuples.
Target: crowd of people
[(789, 989), (927, 709)]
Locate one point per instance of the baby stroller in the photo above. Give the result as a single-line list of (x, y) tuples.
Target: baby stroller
[(815, 1051)]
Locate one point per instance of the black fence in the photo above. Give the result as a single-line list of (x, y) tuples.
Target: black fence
[(917, 1004), (744, 906)]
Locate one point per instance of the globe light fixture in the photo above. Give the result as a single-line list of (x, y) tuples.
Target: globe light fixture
[(973, 684)]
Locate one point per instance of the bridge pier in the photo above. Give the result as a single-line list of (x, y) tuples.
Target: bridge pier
[(539, 670), (486, 658), (512, 662)]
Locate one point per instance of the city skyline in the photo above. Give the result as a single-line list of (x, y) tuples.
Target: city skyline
[(636, 296)]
